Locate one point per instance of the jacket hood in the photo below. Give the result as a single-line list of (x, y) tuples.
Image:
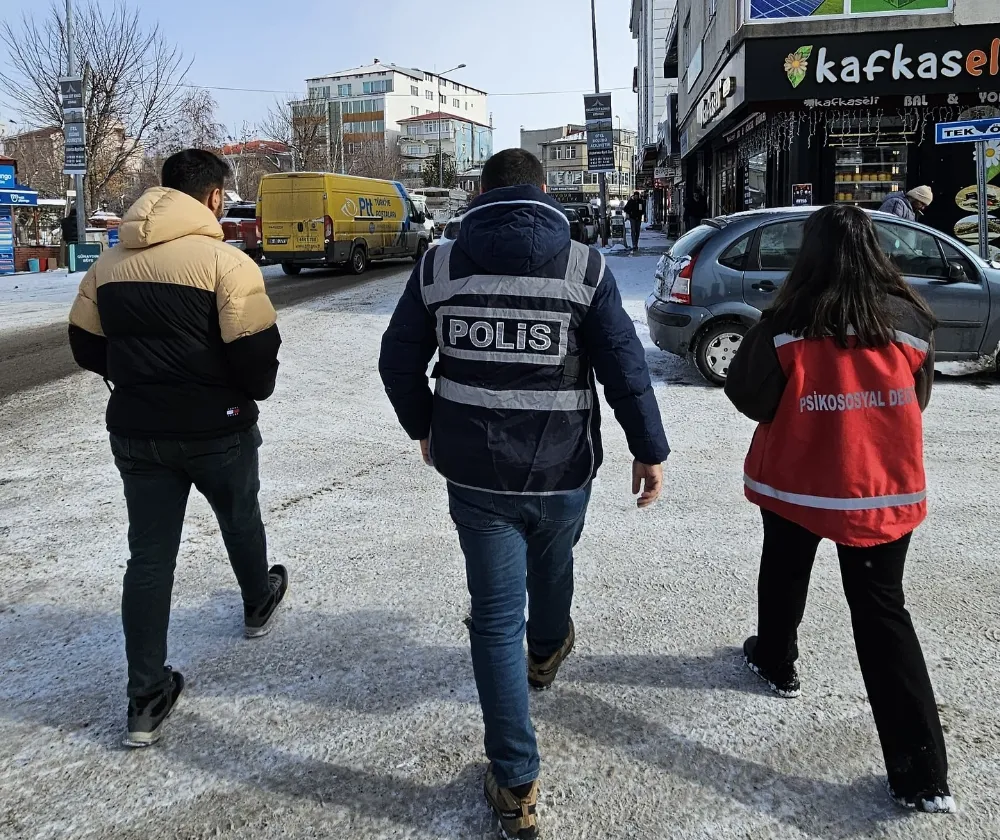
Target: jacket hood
[(513, 230), (162, 215)]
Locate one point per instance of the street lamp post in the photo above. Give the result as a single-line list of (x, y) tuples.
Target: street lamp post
[(601, 180), (440, 121)]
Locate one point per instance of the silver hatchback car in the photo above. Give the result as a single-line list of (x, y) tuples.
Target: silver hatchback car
[(712, 285)]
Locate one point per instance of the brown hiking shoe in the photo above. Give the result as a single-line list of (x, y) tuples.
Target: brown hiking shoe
[(515, 813), (542, 673)]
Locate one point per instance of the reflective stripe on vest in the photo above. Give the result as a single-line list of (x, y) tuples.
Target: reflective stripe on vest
[(569, 288), (832, 503), (900, 337), (575, 400)]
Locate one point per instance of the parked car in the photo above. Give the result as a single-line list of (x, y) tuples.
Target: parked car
[(589, 219), (450, 231), (239, 227), (712, 285), (577, 231)]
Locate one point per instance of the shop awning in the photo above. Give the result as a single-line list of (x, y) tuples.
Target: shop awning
[(18, 198)]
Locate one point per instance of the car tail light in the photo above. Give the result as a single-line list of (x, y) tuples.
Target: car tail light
[(259, 234), (328, 227), (680, 289)]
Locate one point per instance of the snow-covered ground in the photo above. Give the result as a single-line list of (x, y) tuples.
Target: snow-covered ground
[(358, 718), (30, 300)]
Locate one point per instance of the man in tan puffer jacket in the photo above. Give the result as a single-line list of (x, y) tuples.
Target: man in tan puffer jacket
[(180, 325)]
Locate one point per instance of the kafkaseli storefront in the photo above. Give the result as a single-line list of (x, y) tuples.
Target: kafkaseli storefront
[(849, 119)]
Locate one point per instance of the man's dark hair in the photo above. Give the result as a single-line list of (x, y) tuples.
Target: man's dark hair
[(512, 168), (195, 172), (841, 282)]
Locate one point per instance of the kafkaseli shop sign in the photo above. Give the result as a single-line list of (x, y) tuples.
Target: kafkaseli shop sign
[(857, 69)]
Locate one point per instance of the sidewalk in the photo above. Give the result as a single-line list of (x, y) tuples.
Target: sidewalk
[(652, 243)]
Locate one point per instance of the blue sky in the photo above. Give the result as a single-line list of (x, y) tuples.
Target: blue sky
[(510, 46)]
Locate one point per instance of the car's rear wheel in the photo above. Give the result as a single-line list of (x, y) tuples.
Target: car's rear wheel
[(716, 348), (291, 268), (359, 260), (421, 250)]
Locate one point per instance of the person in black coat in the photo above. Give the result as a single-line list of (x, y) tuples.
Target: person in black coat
[(69, 231), (634, 212), (695, 209)]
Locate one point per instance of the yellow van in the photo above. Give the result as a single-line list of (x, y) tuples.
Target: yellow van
[(318, 219)]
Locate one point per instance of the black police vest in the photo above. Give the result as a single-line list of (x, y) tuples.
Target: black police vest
[(514, 397)]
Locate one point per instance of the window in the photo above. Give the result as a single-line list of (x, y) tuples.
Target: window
[(915, 253), (571, 153), (414, 90), (780, 245), (591, 178), (443, 98), (686, 38), (466, 106), (428, 111), (430, 126), (735, 256), (414, 112), (413, 150), (455, 103), (553, 153), (455, 86), (381, 86), (343, 90), (429, 94), (712, 8)]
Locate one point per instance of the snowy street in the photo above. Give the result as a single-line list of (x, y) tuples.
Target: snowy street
[(358, 716)]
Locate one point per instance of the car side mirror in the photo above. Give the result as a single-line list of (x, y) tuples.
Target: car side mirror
[(957, 273)]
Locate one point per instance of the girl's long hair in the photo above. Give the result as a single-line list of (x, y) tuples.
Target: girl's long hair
[(842, 282)]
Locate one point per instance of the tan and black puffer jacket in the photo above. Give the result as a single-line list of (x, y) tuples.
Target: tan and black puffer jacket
[(179, 322)]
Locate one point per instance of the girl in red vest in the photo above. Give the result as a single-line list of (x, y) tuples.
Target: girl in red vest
[(837, 374)]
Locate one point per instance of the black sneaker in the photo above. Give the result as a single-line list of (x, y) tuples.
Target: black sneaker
[(146, 714), (542, 672), (784, 682), (515, 809), (258, 620), (937, 801)]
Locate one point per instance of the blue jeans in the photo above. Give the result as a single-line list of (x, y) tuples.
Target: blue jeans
[(513, 544)]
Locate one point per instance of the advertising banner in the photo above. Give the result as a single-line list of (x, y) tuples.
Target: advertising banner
[(600, 132), (6, 241), (773, 11), (7, 181)]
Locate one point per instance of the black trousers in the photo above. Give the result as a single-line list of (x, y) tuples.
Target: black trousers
[(892, 663), (636, 224), (158, 475)]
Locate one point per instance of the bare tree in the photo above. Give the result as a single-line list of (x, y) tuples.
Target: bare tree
[(375, 159), (134, 82), (194, 127), (39, 160), (303, 126)]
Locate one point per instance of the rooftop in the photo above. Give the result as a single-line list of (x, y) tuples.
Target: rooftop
[(442, 115), (379, 67)]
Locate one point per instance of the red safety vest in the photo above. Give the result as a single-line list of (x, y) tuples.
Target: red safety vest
[(843, 456)]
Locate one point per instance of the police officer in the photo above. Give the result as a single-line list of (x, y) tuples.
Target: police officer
[(522, 319)]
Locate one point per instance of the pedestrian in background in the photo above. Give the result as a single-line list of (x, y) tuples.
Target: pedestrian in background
[(70, 235), (180, 324), (837, 373), (908, 206), (695, 209), (635, 211), (521, 318)]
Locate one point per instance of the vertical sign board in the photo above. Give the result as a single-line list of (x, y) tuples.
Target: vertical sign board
[(74, 132), (6, 241), (984, 133), (600, 134)]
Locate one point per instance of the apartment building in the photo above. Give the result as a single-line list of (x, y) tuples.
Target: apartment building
[(649, 22), (370, 103), (834, 102), (567, 178), (465, 142), (532, 139)]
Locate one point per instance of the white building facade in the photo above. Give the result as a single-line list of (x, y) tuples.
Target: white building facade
[(370, 103)]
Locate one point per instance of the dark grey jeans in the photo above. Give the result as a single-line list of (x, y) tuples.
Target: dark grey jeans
[(158, 475)]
